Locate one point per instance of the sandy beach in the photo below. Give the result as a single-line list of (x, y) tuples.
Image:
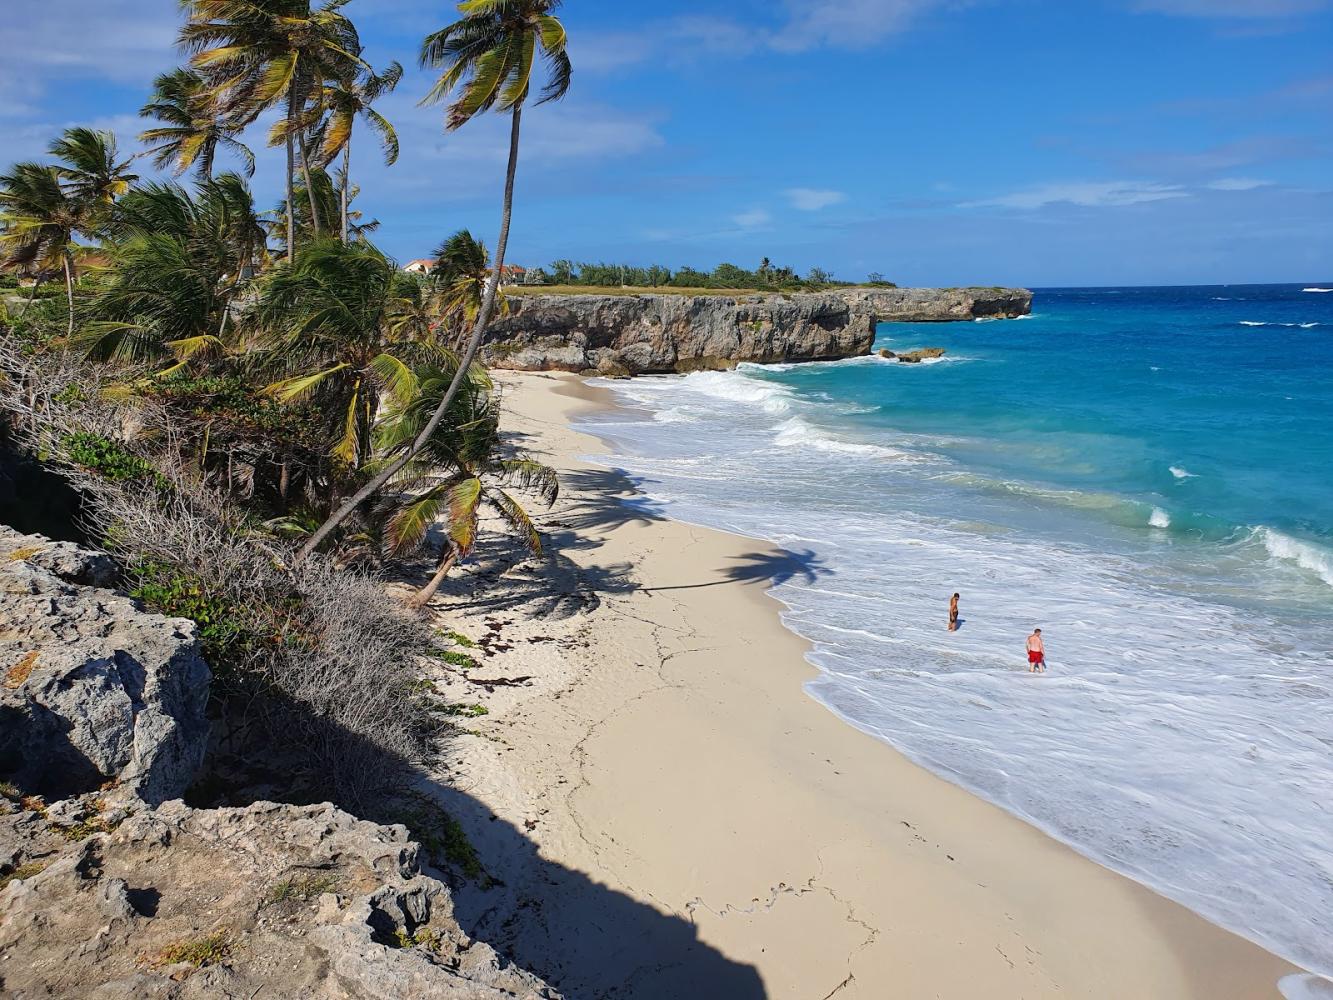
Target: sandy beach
[(671, 815)]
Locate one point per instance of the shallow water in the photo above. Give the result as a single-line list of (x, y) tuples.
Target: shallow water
[(1145, 474)]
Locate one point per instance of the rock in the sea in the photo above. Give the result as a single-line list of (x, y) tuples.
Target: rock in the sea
[(264, 901), (642, 334), (938, 305), (918, 356), (92, 689)]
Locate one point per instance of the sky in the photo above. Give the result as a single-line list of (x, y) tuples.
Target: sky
[(936, 142)]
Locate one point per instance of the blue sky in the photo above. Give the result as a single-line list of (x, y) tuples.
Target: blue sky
[(1037, 142)]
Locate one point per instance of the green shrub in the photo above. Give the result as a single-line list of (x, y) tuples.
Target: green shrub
[(222, 629), (107, 458)]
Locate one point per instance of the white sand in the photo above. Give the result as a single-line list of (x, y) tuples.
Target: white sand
[(672, 816)]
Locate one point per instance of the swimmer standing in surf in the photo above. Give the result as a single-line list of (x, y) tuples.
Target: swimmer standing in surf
[(1036, 653), (953, 613)]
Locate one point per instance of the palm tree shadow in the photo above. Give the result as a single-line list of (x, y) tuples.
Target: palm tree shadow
[(771, 567)]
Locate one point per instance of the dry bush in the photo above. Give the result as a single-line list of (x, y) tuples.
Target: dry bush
[(319, 658)]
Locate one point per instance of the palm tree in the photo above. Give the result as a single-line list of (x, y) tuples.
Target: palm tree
[(177, 264), (325, 321), (38, 219), (346, 100), (257, 54), (462, 270), (192, 131), (330, 199), (90, 171), (460, 471), (488, 59)]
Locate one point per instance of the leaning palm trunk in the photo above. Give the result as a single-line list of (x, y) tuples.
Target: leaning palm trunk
[(291, 188), (69, 289), (464, 363), (347, 180), (422, 597)]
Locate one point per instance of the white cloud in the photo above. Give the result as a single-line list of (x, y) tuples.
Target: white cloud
[(852, 24), (1237, 184), (813, 199), (1088, 194), (755, 218)]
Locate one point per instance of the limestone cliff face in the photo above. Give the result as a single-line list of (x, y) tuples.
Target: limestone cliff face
[(648, 334), (633, 334), (939, 305)]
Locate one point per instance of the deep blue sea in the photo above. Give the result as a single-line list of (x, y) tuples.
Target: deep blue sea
[(1144, 473)]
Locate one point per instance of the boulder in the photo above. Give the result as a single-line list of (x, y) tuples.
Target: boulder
[(267, 900), (92, 688), (918, 356)]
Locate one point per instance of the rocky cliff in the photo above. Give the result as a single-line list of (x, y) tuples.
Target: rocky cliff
[(938, 305), (647, 334), (634, 334), (111, 887)]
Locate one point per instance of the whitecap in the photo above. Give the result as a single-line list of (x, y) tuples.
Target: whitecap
[(1159, 518), (1182, 473), (1250, 322), (797, 433), (1318, 290), (1300, 986), (1307, 555)]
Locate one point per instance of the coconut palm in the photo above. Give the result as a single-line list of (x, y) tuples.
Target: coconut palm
[(461, 471), (177, 264), (191, 130), (488, 58), (330, 200), (347, 100), (91, 172), (324, 321), (258, 54), (462, 270), (38, 219)]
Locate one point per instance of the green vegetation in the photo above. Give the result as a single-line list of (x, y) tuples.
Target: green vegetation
[(442, 837), (567, 277), (467, 711), (260, 411)]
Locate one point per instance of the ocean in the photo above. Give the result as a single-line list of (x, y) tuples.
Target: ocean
[(1144, 473)]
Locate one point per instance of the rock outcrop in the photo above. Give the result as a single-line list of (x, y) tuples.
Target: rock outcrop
[(267, 900), (913, 357), (645, 334), (92, 689), (617, 336), (938, 305)]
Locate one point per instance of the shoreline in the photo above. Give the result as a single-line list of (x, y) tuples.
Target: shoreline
[(797, 855)]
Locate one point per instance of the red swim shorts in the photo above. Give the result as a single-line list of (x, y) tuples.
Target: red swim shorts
[(1036, 657)]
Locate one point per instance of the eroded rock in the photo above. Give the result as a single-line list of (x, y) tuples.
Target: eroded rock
[(267, 900), (92, 689)]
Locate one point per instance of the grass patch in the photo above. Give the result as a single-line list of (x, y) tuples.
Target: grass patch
[(198, 952), (423, 938), (23, 871), (301, 889), (25, 553)]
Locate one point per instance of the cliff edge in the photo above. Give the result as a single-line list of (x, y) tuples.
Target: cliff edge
[(621, 335)]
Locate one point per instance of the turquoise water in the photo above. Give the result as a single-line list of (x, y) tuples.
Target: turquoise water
[(1147, 474)]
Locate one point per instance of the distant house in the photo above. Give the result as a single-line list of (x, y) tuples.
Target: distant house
[(512, 274), (423, 265)]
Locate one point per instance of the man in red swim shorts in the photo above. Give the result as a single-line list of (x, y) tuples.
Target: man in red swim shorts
[(1036, 653)]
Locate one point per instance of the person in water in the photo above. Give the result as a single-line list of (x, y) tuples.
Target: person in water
[(953, 613), (1036, 653)]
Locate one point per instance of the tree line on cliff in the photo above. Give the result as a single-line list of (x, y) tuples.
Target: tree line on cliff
[(765, 277)]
